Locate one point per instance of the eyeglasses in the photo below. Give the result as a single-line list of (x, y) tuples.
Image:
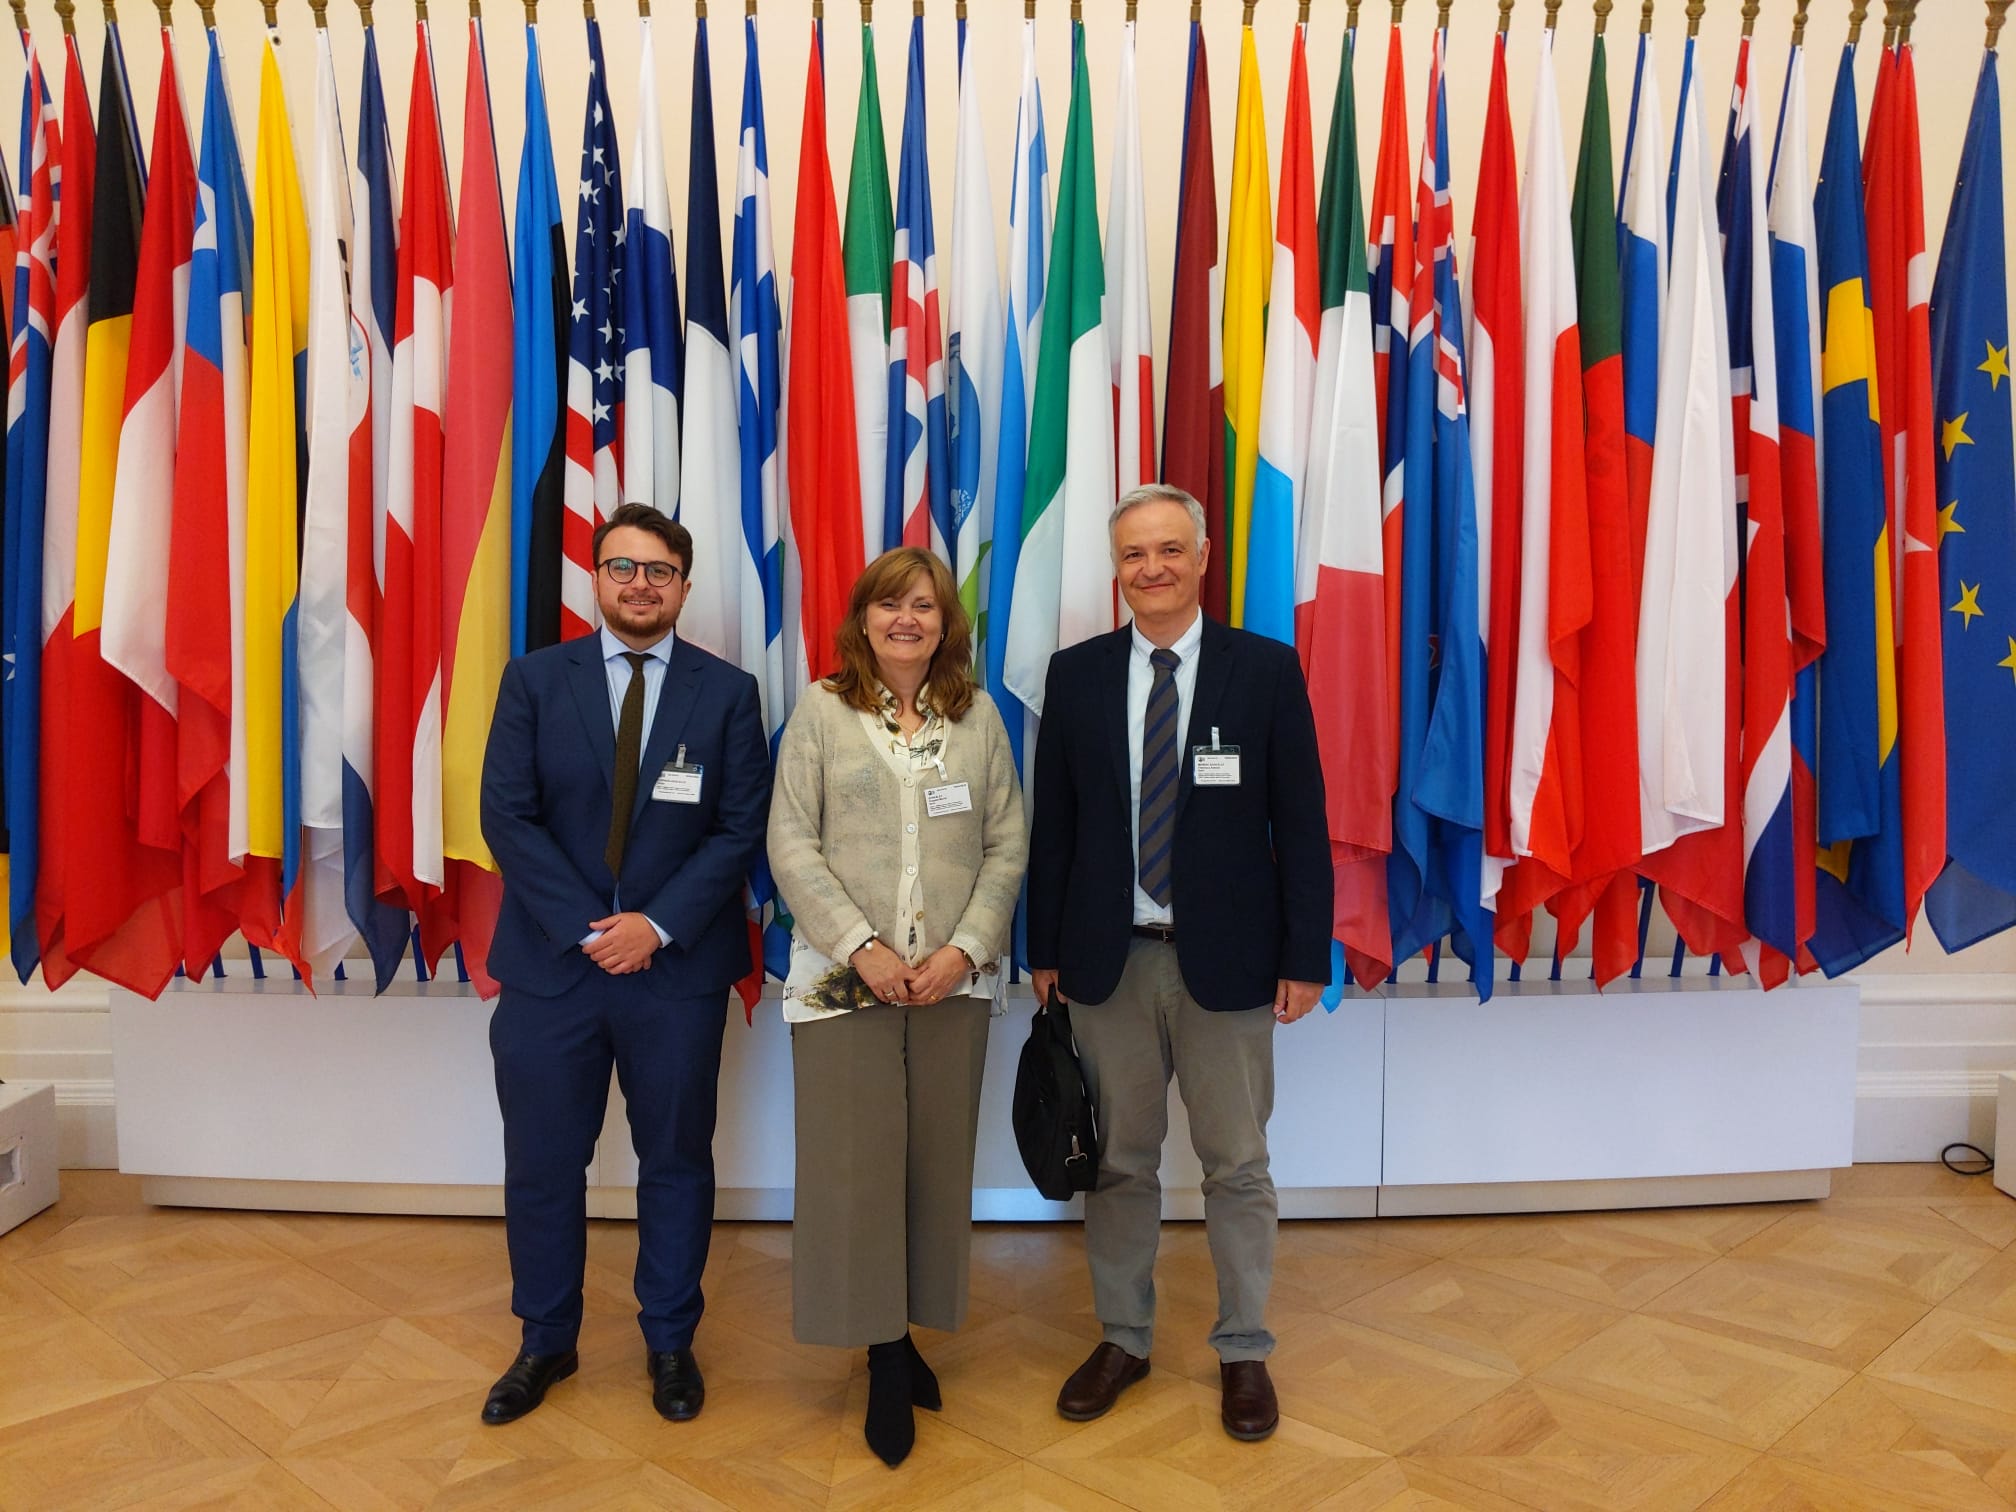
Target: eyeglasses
[(657, 574)]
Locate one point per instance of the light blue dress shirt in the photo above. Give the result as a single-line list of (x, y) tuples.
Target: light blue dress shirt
[(1140, 679), (656, 660)]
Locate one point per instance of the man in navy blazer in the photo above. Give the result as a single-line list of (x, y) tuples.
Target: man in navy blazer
[(626, 790), (1180, 899)]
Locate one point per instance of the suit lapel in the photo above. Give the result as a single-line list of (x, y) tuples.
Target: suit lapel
[(1214, 675), (668, 722), (1113, 699), (590, 681)]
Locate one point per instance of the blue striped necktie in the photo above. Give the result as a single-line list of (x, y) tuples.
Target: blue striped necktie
[(1158, 779)]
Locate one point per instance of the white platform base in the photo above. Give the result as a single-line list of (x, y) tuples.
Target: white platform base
[(1550, 1097), (27, 1151)]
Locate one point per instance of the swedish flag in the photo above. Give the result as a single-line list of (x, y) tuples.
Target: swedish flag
[(1975, 896)]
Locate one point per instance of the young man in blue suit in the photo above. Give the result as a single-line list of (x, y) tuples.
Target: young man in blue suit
[(1179, 898), (626, 789)]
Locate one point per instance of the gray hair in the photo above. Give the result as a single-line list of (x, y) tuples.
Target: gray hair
[(1157, 493)]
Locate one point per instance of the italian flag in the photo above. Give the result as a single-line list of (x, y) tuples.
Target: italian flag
[(1064, 575)]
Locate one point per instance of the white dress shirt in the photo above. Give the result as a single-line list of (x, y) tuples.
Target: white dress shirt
[(656, 660), (1140, 678)]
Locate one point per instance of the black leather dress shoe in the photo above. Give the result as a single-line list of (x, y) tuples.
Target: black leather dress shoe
[(523, 1386), (677, 1390)]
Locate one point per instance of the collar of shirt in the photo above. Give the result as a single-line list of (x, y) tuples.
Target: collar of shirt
[(1185, 645), (613, 648)]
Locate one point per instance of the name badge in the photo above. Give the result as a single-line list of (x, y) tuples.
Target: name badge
[(679, 782), (952, 798)]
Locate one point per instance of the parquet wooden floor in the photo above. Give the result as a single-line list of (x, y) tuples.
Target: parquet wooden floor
[(1856, 1353)]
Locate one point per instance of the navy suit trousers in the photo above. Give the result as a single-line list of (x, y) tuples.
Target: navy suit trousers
[(553, 1057)]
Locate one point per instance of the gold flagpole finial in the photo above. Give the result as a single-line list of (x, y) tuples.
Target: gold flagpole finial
[(1398, 6), (476, 9), (1997, 11), (165, 9), (867, 12), (111, 10), (1077, 12), (1028, 10), (1799, 23), (1351, 16), (271, 7), (959, 11), (1302, 14), (1247, 18), (1889, 24), (66, 13), (1196, 11), (1133, 12), (20, 9), (643, 9), (1645, 19), (1504, 16), (1442, 9), (320, 8), (1695, 8), (916, 7), (1603, 9), (1857, 14), (1553, 14), (1907, 15), (1750, 9), (749, 9), (420, 11)]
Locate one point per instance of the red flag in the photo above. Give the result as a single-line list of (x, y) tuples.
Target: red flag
[(820, 458), (475, 589), (408, 726), (1894, 197), (1193, 421), (1498, 451)]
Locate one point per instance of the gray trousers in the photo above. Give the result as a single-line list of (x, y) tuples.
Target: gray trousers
[(1129, 1047), (888, 1102)]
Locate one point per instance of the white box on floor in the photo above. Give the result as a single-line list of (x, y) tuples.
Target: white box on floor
[(2005, 1132), (27, 1151)]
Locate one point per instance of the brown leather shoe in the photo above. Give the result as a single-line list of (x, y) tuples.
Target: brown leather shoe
[(1096, 1385), (1250, 1410)]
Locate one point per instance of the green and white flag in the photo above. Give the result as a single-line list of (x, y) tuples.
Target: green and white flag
[(868, 247), (1064, 578)]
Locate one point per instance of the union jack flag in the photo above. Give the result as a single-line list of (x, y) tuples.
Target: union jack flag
[(593, 486)]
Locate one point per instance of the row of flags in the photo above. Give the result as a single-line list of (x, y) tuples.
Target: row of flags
[(1543, 519)]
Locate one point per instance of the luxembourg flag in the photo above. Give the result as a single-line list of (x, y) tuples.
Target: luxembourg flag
[(652, 360), (1128, 334), (1288, 377), (973, 359), (917, 500)]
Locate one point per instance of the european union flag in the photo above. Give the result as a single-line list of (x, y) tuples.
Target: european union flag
[(1975, 896)]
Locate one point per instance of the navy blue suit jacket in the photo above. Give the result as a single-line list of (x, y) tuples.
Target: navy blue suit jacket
[(547, 776), (1250, 874)]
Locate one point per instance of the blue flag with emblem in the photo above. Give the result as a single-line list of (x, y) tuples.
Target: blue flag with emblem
[(1975, 896)]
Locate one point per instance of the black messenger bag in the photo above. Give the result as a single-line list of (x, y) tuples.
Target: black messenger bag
[(1055, 1127)]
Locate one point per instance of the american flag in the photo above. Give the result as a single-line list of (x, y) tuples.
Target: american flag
[(594, 354)]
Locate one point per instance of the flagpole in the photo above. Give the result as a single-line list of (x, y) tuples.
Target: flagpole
[(1998, 11), (363, 13), (1889, 25), (66, 13), (1553, 13), (1645, 19), (1799, 23), (1750, 9), (1857, 13), (1907, 15), (1505, 15), (319, 7)]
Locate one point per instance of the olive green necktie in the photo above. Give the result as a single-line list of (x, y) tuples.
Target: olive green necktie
[(629, 752)]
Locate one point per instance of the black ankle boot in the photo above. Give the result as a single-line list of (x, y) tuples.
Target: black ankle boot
[(923, 1383), (891, 1428)]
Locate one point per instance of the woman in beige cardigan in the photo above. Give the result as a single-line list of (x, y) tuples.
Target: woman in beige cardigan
[(897, 842)]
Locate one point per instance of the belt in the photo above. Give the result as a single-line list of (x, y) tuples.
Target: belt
[(1166, 933)]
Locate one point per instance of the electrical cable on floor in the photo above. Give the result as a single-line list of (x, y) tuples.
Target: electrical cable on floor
[(1987, 1160)]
